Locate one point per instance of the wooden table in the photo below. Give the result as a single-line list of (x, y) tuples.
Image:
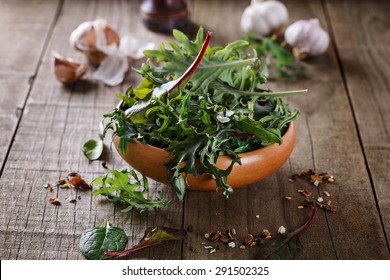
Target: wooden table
[(344, 129)]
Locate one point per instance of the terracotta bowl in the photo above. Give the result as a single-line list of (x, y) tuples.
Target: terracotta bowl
[(255, 165)]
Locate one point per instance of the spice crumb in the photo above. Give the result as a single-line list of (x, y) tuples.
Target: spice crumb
[(54, 201), (326, 193), (288, 197), (281, 230), (300, 207)]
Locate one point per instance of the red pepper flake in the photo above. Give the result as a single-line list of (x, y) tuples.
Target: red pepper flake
[(79, 183), (306, 193)]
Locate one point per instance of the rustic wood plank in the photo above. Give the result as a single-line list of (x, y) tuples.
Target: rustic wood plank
[(23, 32), (325, 128), (362, 37), (56, 122)]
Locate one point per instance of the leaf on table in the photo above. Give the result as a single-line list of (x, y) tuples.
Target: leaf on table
[(152, 237), (286, 246), (126, 188), (93, 149), (94, 242)]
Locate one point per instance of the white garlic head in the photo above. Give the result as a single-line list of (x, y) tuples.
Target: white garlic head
[(307, 38), (96, 39), (264, 17)]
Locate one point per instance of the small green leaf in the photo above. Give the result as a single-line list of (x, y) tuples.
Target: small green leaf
[(93, 149), (95, 241)]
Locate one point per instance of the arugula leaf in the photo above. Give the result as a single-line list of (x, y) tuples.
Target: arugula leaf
[(93, 149), (275, 55), (116, 186), (94, 242), (152, 237)]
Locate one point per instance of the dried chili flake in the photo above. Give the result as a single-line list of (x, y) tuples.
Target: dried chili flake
[(72, 174), (54, 201), (79, 183), (61, 182), (250, 240)]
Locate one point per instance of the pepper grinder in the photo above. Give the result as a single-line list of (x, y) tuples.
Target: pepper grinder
[(164, 15)]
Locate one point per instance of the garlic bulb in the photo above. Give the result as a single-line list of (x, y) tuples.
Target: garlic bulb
[(307, 38), (96, 39), (264, 17), (67, 70)]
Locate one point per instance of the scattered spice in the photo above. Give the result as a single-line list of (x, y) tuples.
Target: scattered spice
[(54, 201), (288, 197), (79, 183), (64, 186), (104, 165), (282, 230), (326, 193), (61, 182), (72, 174), (300, 207), (306, 193), (46, 186)]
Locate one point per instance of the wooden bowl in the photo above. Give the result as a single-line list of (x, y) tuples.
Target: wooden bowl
[(255, 165)]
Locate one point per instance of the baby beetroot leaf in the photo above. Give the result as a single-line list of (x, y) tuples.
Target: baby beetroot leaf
[(152, 236), (286, 246)]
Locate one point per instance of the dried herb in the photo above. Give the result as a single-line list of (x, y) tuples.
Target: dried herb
[(125, 187), (94, 242), (79, 183), (152, 237), (286, 246), (221, 110)]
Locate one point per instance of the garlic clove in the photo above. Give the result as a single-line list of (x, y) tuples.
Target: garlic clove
[(264, 17), (96, 39), (307, 38), (66, 69), (112, 69), (133, 47)]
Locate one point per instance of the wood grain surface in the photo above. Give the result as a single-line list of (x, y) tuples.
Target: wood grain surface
[(344, 129)]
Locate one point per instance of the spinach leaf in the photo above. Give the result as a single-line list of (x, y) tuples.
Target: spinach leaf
[(95, 241)]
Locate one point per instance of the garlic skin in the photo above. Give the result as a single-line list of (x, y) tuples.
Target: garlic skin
[(96, 39), (133, 47), (112, 70), (66, 69), (264, 17), (307, 38)]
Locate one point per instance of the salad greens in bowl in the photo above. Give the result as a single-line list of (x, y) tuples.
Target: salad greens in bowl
[(201, 117)]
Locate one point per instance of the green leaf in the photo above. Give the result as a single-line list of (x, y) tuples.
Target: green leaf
[(286, 246), (93, 149), (152, 237), (94, 242), (125, 188)]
